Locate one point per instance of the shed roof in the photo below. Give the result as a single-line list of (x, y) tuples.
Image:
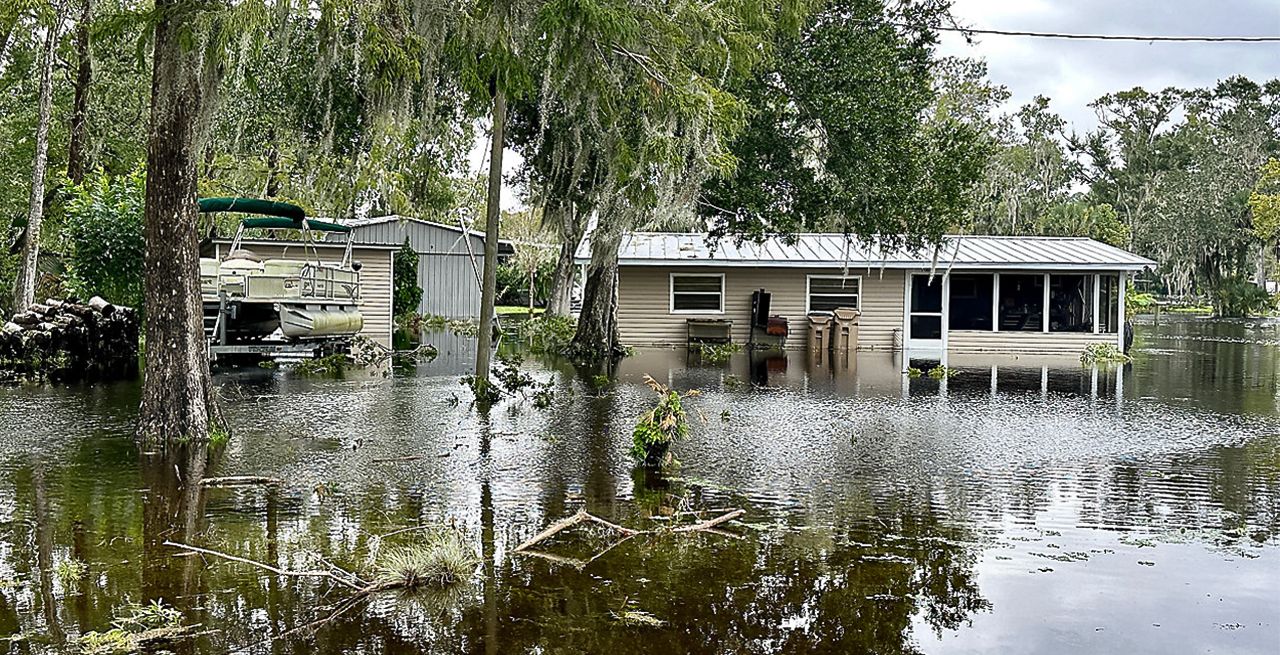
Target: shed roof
[(827, 250), (356, 223)]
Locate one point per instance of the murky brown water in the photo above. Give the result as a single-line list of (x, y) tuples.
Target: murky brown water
[(1024, 506)]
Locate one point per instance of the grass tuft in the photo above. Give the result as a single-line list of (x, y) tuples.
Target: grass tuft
[(442, 559)]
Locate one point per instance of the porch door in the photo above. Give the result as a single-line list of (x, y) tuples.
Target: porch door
[(926, 311)]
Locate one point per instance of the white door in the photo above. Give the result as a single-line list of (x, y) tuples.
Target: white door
[(926, 312)]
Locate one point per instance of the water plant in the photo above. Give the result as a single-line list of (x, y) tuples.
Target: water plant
[(443, 558), (913, 372), (1103, 353), (941, 372), (659, 427), (135, 627), (70, 571), (717, 353), (510, 380)]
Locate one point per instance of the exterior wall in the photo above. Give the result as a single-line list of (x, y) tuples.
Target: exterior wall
[(445, 273), (645, 317), (375, 279), (644, 303)]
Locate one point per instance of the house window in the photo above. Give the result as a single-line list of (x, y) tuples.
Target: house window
[(697, 294), (1021, 303), (827, 292), (971, 298), (1070, 303)]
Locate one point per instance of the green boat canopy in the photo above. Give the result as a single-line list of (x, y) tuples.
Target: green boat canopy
[(276, 215), (280, 223)]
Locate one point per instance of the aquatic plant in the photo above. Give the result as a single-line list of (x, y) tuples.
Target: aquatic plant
[(509, 379), (443, 558), (135, 627), (328, 366), (70, 571), (658, 427), (484, 391), (717, 353), (913, 372), (638, 618), (1103, 353), (941, 372)]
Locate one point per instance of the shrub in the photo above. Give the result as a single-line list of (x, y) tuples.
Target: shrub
[(406, 294), (547, 335), (444, 558), (103, 238), (1103, 353), (1238, 298)]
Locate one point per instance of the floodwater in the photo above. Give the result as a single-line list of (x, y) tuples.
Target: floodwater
[(1023, 506)]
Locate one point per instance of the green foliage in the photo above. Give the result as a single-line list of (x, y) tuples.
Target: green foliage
[(1077, 218), (484, 391), (103, 239), (659, 427), (508, 379), (406, 294), (549, 335), (847, 131), (1238, 298), (133, 626), (1264, 202), (717, 353), (1103, 353), (442, 558), (941, 372), (329, 366), (1138, 303), (70, 571), (913, 372)]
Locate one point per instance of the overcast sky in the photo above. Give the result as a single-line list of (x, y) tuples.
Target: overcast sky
[(1074, 73)]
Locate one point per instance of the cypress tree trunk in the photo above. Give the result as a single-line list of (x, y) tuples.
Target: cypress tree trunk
[(24, 288), (177, 392), (80, 109), (492, 211), (597, 335), (571, 232)]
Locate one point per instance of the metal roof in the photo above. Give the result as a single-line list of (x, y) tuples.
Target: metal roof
[(379, 220), (828, 250)]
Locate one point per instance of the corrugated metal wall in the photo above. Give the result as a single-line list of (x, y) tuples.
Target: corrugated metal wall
[(445, 272)]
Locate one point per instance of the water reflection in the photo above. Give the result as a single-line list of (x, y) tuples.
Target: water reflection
[(1025, 505)]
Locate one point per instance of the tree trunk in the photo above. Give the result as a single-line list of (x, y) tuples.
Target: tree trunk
[(597, 334), (571, 230), (492, 211), (80, 110), (24, 288), (177, 391)]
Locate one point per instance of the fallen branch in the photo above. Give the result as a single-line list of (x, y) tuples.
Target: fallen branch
[(241, 481), (711, 523), (267, 567)]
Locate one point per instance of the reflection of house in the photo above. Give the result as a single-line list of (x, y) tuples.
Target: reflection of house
[(448, 260), (984, 293)]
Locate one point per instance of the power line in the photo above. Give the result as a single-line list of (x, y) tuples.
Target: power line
[(1111, 37)]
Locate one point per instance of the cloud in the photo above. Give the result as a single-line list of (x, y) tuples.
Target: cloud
[(1074, 73)]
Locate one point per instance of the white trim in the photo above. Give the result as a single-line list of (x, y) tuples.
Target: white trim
[(1097, 315), (910, 342), (995, 301), (808, 293), (1120, 317), (1044, 309), (671, 295)]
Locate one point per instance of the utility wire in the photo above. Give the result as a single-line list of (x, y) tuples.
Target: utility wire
[(1110, 37)]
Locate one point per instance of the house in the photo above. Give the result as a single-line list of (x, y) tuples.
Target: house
[(375, 273), (449, 260), (1046, 295)]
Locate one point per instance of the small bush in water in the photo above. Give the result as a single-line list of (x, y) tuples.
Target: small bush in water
[(132, 628), (718, 353), (658, 427), (1103, 353), (69, 571), (444, 558), (942, 373)]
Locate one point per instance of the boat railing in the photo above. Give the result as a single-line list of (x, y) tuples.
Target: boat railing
[(314, 282)]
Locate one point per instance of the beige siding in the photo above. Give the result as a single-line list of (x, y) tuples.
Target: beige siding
[(645, 317), (375, 280), (966, 341)]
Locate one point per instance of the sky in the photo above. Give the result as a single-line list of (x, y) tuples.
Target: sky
[(1074, 73)]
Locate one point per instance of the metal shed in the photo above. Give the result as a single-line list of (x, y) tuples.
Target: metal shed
[(447, 272)]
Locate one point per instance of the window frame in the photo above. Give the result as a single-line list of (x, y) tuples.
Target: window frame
[(671, 294), (808, 289)]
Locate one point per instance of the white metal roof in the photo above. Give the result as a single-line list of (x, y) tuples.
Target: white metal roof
[(828, 250), (379, 220)]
